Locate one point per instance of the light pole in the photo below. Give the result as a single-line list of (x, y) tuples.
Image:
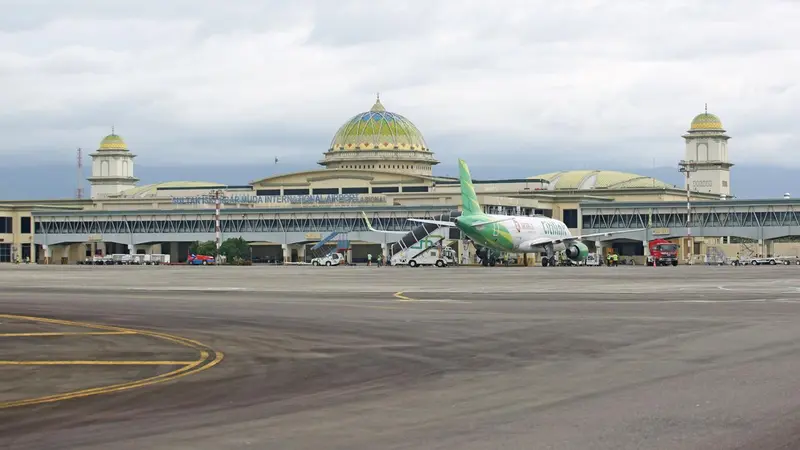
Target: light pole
[(249, 246), (687, 167), (216, 194)]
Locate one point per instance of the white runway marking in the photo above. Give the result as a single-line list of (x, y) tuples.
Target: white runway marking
[(436, 300), (188, 288), (656, 302)]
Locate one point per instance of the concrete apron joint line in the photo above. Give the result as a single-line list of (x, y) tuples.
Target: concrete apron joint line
[(207, 358)]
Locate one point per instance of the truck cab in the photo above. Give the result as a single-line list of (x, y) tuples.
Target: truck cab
[(663, 253), (431, 256), (331, 259)]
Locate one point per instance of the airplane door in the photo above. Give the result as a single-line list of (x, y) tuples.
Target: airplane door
[(496, 229)]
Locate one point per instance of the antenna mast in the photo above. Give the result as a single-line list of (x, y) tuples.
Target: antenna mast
[(79, 190)]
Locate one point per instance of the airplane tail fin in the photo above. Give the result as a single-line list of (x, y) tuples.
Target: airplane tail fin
[(469, 200)]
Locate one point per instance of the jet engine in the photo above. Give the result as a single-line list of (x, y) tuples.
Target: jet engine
[(577, 251)]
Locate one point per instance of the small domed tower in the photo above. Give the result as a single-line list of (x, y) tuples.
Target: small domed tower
[(707, 150), (112, 167)]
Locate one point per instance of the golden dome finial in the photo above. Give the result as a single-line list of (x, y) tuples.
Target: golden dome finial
[(378, 106)]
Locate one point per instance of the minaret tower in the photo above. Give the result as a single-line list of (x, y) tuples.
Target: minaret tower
[(112, 167), (707, 152)]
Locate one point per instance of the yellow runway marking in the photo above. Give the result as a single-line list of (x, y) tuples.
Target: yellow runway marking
[(208, 358), (402, 298), (67, 333), (96, 363)]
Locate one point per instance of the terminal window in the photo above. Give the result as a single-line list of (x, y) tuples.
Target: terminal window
[(6, 225), (571, 218), (268, 192), (25, 225), (415, 188), (295, 192), (5, 252), (384, 189), (355, 190), (326, 191)]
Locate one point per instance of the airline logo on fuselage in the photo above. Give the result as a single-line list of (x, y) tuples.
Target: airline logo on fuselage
[(554, 228)]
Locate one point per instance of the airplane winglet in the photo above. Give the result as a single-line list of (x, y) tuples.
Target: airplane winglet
[(370, 228), (369, 223), (366, 219)]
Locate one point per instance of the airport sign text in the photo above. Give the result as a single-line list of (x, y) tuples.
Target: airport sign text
[(301, 200)]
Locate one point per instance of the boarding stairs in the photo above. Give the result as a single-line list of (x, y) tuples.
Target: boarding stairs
[(747, 251), (330, 244), (422, 231), (715, 256)]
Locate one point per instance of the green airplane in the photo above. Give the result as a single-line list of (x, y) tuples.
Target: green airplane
[(493, 234)]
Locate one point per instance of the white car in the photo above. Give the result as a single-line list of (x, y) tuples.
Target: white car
[(333, 259)]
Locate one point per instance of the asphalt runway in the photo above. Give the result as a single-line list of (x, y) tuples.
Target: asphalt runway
[(365, 358)]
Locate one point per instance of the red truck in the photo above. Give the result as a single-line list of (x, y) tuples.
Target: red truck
[(663, 252)]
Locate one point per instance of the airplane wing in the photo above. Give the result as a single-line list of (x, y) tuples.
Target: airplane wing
[(609, 233), (441, 223), (533, 243), (489, 222), (543, 240), (369, 227), (452, 224)]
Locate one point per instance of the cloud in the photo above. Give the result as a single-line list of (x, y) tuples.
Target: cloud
[(600, 83)]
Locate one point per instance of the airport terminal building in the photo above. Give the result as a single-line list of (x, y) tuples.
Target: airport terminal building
[(378, 162)]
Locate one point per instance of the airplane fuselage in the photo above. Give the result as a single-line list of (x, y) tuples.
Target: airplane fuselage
[(515, 234)]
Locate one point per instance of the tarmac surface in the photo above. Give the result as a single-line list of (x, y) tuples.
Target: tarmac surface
[(365, 358)]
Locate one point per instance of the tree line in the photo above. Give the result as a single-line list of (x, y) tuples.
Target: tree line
[(235, 250)]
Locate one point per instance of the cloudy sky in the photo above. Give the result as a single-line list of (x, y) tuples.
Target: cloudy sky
[(244, 81)]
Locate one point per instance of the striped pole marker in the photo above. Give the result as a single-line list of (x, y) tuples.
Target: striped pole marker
[(218, 230)]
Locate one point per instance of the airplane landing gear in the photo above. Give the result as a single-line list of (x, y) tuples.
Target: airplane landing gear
[(550, 259), (489, 262)]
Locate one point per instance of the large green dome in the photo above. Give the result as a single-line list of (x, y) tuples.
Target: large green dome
[(378, 129)]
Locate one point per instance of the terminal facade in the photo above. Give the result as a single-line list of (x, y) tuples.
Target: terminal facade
[(378, 162)]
